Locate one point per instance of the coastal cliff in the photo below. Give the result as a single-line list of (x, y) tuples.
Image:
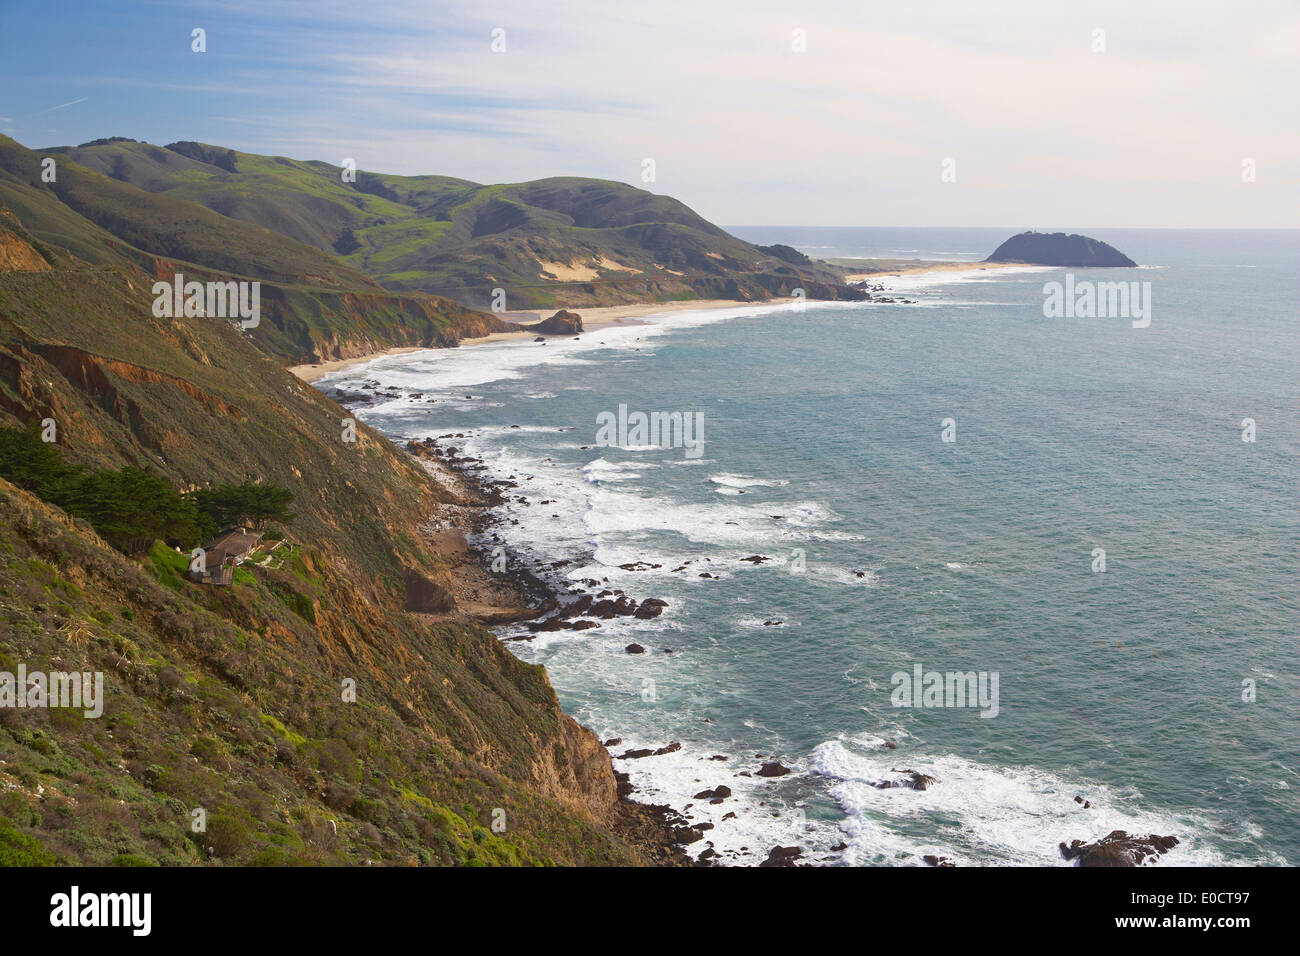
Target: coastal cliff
[(302, 711)]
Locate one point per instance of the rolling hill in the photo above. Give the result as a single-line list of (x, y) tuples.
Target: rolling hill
[(559, 242), (314, 306)]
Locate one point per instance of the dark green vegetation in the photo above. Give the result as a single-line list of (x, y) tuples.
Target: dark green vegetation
[(129, 508), (133, 507), (560, 242), (235, 700), (244, 504), (1058, 249)]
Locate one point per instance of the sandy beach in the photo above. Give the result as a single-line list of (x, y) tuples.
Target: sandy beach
[(593, 319), (614, 315), (310, 373), (634, 314), (923, 269)]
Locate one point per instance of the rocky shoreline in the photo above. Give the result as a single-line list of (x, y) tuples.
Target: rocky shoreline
[(657, 830)]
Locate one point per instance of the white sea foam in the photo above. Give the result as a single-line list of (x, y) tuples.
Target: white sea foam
[(769, 622), (768, 812), (847, 577), (612, 512), (985, 814)]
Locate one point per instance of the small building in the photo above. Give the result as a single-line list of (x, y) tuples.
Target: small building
[(224, 553)]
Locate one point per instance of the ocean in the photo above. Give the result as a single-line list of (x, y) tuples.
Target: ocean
[(1066, 506)]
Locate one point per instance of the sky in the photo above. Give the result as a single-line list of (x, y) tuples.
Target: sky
[(858, 113)]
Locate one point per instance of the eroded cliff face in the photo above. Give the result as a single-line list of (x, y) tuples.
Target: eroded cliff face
[(17, 254), (578, 770)]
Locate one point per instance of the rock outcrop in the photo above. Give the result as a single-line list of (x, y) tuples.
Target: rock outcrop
[(913, 780), (17, 253), (563, 322), (1119, 848), (427, 597), (783, 856), (1058, 249)]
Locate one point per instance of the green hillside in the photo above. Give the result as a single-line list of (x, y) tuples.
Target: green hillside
[(314, 306), (554, 242)]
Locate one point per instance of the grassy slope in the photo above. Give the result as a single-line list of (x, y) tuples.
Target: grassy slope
[(229, 699), (314, 306), (461, 239), (246, 722)]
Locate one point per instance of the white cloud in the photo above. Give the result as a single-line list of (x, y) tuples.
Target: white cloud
[(1151, 132)]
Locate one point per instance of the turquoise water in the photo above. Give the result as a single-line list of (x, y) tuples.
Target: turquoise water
[(890, 547)]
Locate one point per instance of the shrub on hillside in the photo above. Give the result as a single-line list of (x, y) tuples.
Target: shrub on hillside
[(128, 508)]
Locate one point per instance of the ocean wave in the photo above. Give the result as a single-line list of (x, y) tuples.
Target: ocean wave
[(747, 481), (604, 470), (926, 280), (699, 522)]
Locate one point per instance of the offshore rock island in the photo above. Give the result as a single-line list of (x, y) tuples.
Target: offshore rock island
[(1058, 249)]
